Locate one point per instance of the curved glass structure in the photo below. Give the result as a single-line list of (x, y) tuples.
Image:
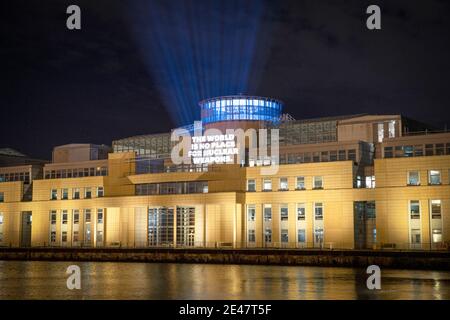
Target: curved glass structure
[(231, 108)]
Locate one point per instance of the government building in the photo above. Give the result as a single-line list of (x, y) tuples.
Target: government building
[(362, 181)]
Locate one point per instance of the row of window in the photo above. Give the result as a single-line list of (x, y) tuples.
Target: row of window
[(15, 176), (323, 156), (284, 212), (435, 209), (76, 173), (434, 177), (284, 185), (437, 149), (75, 216), (76, 193), (172, 188)]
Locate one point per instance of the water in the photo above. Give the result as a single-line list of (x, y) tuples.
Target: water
[(116, 280)]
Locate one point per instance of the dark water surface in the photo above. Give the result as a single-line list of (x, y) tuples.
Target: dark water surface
[(116, 280)]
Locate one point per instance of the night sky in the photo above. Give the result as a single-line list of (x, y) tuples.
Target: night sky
[(101, 83)]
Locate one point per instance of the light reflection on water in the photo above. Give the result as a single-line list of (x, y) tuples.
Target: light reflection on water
[(115, 280)]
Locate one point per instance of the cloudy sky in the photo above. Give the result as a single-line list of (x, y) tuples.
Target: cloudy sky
[(115, 78)]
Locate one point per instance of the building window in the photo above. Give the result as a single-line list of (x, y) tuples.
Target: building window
[(64, 217), (342, 155), (64, 236), (300, 183), (413, 178), (99, 215), (370, 182), (76, 216), (251, 235), (301, 235), (267, 185), (301, 211), (251, 185), (408, 151), (87, 215), (87, 193), (434, 177), (76, 193), (100, 236), (333, 155), (64, 194), (284, 236), (2, 197), (284, 212), (54, 194), (284, 184), (414, 209), (53, 236), (100, 192), (392, 129), (267, 212), (53, 217), (75, 236), (388, 152), (352, 154), (318, 183), (436, 209), (318, 211), (437, 235), (380, 130), (268, 235), (251, 212)]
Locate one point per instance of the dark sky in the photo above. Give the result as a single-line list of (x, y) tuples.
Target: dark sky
[(94, 85)]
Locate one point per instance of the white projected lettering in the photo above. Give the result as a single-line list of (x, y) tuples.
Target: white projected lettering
[(213, 149)]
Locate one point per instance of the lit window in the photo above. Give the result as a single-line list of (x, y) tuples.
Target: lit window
[(268, 235), (434, 177), (318, 183), (267, 212), (392, 129), (267, 185), (318, 211), (380, 132), (251, 185), (300, 183), (251, 213), (284, 184), (414, 209), (1, 218), (437, 235), (413, 178), (301, 211)]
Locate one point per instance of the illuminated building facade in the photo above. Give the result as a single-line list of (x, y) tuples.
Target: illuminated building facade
[(357, 182)]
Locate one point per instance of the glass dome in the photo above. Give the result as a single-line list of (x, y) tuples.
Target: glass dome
[(232, 108)]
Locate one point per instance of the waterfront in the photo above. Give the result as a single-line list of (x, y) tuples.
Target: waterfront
[(116, 280)]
